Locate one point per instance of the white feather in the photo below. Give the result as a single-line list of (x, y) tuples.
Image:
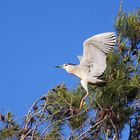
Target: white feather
[(95, 51)]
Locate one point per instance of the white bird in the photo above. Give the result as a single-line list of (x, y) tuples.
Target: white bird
[(93, 62)]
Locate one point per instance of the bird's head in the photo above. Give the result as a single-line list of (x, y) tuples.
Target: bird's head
[(68, 66)]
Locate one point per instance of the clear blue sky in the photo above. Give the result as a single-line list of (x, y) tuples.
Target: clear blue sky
[(36, 35)]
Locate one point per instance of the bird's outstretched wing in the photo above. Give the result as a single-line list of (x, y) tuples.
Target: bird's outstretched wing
[(95, 51)]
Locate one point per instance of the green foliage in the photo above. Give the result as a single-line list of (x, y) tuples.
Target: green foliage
[(9, 129), (128, 26)]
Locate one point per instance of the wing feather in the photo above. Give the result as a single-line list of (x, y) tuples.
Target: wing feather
[(95, 51)]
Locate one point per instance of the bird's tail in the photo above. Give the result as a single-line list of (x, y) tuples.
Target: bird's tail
[(101, 82)]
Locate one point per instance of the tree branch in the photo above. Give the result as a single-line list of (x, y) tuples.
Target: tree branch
[(92, 127)]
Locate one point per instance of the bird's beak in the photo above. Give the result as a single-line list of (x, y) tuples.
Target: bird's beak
[(58, 66)]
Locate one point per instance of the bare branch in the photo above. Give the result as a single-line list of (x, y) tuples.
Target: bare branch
[(92, 127)]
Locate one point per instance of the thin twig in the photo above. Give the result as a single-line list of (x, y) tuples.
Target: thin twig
[(71, 107), (67, 118), (24, 136), (34, 129), (90, 133), (107, 133), (78, 129), (116, 137), (34, 104), (19, 118), (92, 127)]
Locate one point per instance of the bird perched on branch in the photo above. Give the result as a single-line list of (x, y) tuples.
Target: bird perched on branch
[(93, 62)]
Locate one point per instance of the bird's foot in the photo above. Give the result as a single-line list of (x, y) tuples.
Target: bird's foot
[(82, 101), (81, 104)]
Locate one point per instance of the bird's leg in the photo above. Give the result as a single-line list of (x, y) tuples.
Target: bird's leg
[(81, 103), (85, 86)]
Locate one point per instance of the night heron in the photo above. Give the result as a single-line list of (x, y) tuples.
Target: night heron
[(93, 62)]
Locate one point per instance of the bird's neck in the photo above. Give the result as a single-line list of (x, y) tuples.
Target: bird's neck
[(71, 69)]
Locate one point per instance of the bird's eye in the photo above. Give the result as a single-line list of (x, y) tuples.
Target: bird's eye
[(66, 64)]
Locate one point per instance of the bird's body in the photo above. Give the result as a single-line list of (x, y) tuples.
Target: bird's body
[(82, 72), (93, 62)]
